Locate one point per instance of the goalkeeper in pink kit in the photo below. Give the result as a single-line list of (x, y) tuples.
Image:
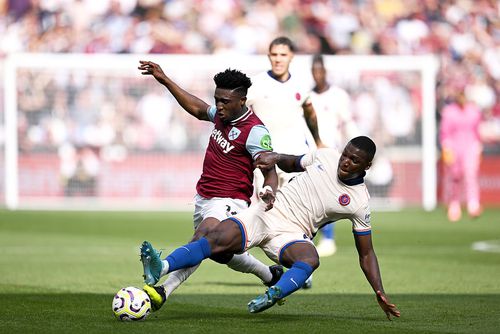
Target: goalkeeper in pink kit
[(461, 153)]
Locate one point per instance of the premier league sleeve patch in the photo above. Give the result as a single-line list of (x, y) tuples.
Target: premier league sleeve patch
[(344, 199)]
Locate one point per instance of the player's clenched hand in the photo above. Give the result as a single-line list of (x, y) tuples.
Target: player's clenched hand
[(150, 68), (266, 160), (267, 195), (388, 308)]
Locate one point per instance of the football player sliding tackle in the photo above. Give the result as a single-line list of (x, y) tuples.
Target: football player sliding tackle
[(330, 188)]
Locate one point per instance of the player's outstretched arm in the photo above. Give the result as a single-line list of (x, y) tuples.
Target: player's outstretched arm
[(189, 102), (369, 265), (312, 122), (287, 163)]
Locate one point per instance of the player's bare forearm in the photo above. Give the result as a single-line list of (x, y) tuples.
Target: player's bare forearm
[(368, 261), (312, 123), (287, 163), (192, 104), (270, 177), (369, 264), (269, 187)]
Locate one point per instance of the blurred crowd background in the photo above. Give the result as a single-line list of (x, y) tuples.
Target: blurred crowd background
[(77, 114), (464, 34)]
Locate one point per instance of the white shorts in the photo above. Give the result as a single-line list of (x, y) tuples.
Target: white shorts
[(269, 230), (217, 207)]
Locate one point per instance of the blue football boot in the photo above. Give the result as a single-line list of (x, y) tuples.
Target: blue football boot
[(151, 262), (265, 301)]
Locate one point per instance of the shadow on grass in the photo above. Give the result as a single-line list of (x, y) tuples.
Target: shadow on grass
[(198, 313)]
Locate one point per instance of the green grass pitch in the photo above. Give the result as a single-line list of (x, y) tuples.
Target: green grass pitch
[(59, 272)]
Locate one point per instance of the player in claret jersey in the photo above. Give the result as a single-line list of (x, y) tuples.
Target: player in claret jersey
[(225, 186)]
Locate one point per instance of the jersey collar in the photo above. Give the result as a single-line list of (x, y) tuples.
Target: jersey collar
[(242, 117), (270, 73), (355, 181)]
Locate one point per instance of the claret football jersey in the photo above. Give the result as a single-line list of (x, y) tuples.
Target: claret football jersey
[(232, 148)]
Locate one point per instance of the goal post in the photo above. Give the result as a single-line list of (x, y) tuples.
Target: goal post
[(89, 132)]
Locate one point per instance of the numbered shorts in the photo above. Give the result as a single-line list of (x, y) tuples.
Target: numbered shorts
[(269, 230), (217, 207)]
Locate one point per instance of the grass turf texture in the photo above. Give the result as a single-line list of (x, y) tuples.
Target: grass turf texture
[(60, 270)]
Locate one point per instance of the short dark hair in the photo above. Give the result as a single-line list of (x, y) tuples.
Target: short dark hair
[(365, 144), (233, 79), (282, 40), (318, 58)]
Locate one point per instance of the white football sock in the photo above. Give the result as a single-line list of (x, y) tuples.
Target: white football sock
[(247, 263), (164, 268), (176, 278)]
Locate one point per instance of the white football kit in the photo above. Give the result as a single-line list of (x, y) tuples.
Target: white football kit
[(279, 106), (312, 199), (336, 125)]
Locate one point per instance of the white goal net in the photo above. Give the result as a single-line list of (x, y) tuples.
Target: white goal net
[(89, 132)]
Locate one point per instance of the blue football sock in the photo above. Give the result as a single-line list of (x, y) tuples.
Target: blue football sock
[(327, 231), (189, 255), (294, 278)]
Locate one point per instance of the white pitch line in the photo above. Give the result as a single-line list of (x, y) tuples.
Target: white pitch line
[(491, 246)]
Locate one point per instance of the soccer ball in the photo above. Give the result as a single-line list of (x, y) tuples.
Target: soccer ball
[(131, 304)]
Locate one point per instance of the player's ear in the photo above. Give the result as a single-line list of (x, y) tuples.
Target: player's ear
[(368, 166), (243, 100)]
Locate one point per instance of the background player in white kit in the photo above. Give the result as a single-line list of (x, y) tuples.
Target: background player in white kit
[(335, 126), (330, 188), (281, 101)]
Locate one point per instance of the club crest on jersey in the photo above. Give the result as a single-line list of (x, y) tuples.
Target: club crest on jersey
[(344, 199), (234, 133)]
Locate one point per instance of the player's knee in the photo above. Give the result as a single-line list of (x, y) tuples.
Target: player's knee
[(223, 241), (217, 241), (204, 228), (313, 261), (315, 264)]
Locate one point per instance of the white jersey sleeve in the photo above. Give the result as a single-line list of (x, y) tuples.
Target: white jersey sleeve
[(308, 158), (360, 219), (258, 141), (211, 110)]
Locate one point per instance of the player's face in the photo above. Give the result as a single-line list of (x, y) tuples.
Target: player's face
[(352, 162), (280, 57), (319, 74), (230, 104)]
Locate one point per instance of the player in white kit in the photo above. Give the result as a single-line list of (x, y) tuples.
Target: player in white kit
[(335, 125), (281, 101), (330, 188)]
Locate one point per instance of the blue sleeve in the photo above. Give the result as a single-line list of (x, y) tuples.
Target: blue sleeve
[(211, 110), (258, 141)]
